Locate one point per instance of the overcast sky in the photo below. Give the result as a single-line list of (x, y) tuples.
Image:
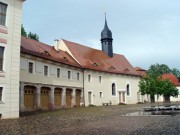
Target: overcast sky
[(145, 31)]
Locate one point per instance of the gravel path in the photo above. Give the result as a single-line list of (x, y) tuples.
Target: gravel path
[(105, 120)]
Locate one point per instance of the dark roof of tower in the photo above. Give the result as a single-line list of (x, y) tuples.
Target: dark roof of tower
[(106, 32)]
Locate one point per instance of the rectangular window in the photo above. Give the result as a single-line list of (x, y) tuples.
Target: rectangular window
[(45, 70), (1, 93), (100, 79), (127, 90), (69, 74), (100, 94), (31, 65), (3, 9), (58, 72), (78, 76), (1, 58), (89, 78)]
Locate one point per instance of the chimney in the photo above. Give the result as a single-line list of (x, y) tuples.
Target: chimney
[(56, 44)]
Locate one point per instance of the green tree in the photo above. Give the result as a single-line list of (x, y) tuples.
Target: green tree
[(158, 70), (33, 36), (167, 89), (148, 85), (152, 84), (23, 31), (176, 72)]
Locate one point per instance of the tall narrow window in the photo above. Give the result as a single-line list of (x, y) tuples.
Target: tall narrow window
[(1, 57), (89, 78), (31, 65), (3, 9), (58, 72), (45, 70), (1, 93), (113, 89), (100, 79), (100, 94), (127, 90), (69, 74), (78, 76)]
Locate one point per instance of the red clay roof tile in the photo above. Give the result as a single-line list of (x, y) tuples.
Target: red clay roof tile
[(172, 78), (36, 48), (141, 71), (98, 60)]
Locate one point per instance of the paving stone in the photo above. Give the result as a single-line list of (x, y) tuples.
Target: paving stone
[(105, 120)]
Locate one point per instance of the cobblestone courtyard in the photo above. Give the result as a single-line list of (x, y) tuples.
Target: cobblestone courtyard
[(105, 120)]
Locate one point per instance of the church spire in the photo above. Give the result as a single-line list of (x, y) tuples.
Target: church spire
[(106, 40), (105, 26)]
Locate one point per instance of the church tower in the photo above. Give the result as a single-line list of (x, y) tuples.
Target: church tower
[(106, 40)]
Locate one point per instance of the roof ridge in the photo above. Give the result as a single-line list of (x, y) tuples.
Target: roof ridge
[(88, 46)]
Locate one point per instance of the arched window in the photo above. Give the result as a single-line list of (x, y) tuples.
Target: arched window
[(113, 89), (127, 90)]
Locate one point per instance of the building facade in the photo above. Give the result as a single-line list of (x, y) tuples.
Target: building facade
[(108, 77), (69, 75), (10, 35), (49, 79)]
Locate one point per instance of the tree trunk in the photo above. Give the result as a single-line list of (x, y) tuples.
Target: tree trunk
[(166, 99), (152, 98)]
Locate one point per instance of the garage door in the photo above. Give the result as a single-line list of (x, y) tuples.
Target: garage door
[(29, 97), (68, 97), (78, 98), (45, 98), (57, 97)]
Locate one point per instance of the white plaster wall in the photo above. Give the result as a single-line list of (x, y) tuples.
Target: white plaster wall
[(106, 87), (51, 79), (9, 107), (176, 99), (161, 98)]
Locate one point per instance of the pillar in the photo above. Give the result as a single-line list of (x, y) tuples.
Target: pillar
[(63, 97), (82, 98), (22, 107), (74, 97), (52, 98), (38, 97)]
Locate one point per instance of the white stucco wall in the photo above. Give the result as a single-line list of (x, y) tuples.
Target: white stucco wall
[(9, 78), (161, 98), (106, 87), (51, 79)]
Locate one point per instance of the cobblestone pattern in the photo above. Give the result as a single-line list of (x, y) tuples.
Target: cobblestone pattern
[(105, 120)]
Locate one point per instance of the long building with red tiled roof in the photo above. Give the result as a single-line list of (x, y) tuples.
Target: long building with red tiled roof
[(38, 49), (69, 74)]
